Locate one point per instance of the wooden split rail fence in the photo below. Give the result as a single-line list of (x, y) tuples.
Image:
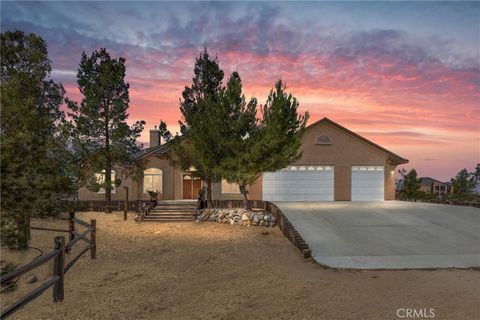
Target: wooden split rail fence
[(59, 266)]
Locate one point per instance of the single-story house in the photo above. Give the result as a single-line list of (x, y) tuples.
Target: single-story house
[(336, 165), (435, 187)]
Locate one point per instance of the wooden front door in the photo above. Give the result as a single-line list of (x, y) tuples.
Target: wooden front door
[(197, 185), (191, 187)]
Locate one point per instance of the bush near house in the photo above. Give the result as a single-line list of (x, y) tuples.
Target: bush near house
[(409, 186), (463, 185)]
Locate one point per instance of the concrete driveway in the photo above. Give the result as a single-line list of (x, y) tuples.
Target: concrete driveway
[(388, 235)]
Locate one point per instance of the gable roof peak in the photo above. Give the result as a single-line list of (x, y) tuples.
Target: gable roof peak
[(395, 158)]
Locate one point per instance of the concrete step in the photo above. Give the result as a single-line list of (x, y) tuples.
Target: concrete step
[(176, 204), (186, 201), (167, 219), (171, 214), (173, 209)]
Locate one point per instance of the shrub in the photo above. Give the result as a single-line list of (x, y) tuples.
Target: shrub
[(7, 267)]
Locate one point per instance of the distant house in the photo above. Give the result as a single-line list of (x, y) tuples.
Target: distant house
[(435, 187)]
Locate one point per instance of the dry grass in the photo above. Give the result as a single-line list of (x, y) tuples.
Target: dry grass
[(216, 271)]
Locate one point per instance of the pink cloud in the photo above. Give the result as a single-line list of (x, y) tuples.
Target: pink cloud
[(365, 92)]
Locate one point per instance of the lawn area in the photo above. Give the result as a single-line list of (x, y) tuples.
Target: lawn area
[(219, 271)]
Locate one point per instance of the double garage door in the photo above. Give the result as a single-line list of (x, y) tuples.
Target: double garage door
[(299, 183), (315, 183)]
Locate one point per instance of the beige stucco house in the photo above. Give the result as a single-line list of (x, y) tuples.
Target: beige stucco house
[(336, 165)]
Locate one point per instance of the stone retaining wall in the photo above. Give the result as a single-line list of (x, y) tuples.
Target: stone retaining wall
[(238, 216)]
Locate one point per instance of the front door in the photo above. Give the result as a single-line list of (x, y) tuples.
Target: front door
[(191, 186), (197, 185)]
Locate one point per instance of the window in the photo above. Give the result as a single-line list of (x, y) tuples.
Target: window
[(152, 180), (229, 187), (100, 178), (367, 168), (323, 139)]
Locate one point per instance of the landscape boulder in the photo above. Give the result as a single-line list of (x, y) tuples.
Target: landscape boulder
[(237, 216)]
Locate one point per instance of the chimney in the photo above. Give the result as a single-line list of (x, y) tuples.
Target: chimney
[(155, 139)]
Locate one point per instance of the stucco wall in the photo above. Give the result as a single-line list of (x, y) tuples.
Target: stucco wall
[(85, 194), (254, 192), (171, 183), (344, 152)]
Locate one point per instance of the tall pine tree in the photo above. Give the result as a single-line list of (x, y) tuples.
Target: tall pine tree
[(35, 162), (102, 138), (197, 101)]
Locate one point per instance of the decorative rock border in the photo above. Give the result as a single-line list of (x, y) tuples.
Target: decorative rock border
[(238, 216)]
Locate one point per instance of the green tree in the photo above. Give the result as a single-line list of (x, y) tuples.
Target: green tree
[(197, 101), (463, 185), (410, 185), (35, 164), (102, 138), (476, 174), (254, 147)]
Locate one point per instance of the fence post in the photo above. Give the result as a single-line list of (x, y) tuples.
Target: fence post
[(71, 226), (126, 204), (59, 270), (93, 240)]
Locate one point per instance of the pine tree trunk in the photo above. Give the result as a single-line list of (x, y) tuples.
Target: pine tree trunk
[(108, 170), (29, 237), (209, 192), (244, 192), (108, 189), (22, 239)]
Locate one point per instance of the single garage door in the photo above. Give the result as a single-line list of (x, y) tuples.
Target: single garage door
[(299, 183), (367, 183)]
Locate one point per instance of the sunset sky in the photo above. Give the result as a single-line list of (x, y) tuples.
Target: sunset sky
[(405, 75)]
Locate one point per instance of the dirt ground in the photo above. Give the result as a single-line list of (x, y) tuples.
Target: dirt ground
[(218, 271)]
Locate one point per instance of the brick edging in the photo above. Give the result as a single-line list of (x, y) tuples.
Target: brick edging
[(282, 222), (288, 230)]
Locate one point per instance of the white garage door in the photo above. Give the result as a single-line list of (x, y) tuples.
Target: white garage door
[(299, 183), (367, 183)]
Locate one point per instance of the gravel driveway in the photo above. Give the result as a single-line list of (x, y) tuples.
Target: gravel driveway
[(388, 235)]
